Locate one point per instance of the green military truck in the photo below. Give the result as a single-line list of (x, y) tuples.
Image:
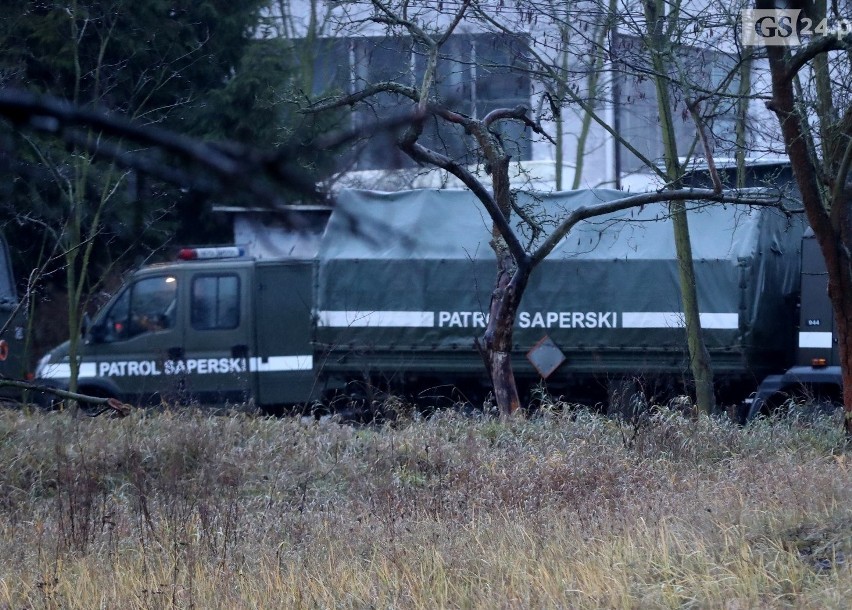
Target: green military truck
[(400, 289), (13, 323), (214, 327), (815, 375)]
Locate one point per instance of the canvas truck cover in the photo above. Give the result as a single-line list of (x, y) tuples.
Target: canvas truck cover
[(411, 273)]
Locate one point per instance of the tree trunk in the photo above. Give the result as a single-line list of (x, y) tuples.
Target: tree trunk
[(699, 357), (742, 116), (830, 219), (592, 96), (841, 300), (839, 266), (839, 269), (498, 336)]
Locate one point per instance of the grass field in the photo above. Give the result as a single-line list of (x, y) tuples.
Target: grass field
[(163, 510)]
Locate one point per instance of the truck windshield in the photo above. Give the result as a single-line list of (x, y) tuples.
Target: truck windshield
[(145, 306)]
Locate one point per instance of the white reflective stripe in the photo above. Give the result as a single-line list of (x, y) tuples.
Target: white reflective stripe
[(720, 320), (406, 319), (281, 363), (675, 319), (651, 319), (56, 371), (811, 339), (87, 369), (63, 370), (271, 364)]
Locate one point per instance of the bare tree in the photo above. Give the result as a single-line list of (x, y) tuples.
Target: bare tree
[(670, 61), (812, 98), (90, 54), (658, 20)]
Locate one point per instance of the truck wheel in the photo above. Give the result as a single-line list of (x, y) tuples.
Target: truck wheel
[(626, 398), (46, 401)]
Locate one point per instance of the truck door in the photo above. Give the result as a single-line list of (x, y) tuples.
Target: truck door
[(284, 357), (218, 338), (816, 324), (12, 343), (127, 348)]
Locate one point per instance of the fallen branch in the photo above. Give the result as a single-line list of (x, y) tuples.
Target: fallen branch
[(123, 409)]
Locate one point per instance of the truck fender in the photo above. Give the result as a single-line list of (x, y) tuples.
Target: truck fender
[(767, 388), (99, 386), (797, 376)]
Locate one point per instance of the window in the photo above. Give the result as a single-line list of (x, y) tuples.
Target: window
[(145, 306), (7, 278), (639, 120), (476, 73), (377, 60), (215, 302)]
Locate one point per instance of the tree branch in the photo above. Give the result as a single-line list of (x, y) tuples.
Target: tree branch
[(460, 13), (518, 113), (108, 403), (585, 212), (420, 153), (794, 131), (708, 152), (819, 45), (359, 96), (577, 99), (234, 166), (392, 18)]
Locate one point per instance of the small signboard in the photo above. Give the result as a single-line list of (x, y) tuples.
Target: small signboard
[(545, 356)]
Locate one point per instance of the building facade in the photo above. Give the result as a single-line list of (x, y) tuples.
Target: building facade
[(583, 70)]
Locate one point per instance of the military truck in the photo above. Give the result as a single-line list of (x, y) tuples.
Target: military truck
[(214, 327), (400, 289), (815, 375), (13, 323)]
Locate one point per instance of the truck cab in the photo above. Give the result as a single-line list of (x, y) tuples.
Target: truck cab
[(816, 374), (187, 332)]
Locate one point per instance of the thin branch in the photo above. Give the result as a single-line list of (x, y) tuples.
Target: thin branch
[(420, 153), (577, 99), (392, 18), (708, 152), (359, 96), (817, 46), (518, 113), (584, 212), (842, 174), (460, 13)]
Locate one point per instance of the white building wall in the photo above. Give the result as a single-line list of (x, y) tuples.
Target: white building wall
[(712, 24)]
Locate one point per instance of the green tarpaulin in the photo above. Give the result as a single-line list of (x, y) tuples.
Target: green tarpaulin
[(411, 272)]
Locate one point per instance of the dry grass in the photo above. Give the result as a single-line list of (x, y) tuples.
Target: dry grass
[(186, 510)]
